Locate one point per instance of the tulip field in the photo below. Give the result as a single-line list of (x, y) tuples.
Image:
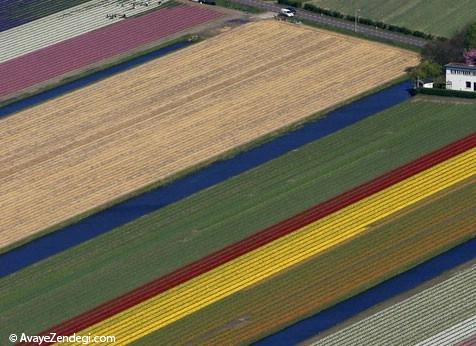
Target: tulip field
[(212, 219), (129, 207), (15, 12), (64, 25), (102, 143), (386, 249), (435, 316), (23, 67), (241, 266)]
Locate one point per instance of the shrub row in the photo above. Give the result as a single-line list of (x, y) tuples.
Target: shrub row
[(293, 3), (445, 92), (366, 21)]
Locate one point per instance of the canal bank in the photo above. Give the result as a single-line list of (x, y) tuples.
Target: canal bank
[(217, 172)]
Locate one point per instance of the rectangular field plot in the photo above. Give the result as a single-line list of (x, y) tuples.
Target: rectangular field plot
[(95, 145)]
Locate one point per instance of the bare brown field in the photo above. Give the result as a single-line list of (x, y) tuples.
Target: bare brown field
[(92, 146)]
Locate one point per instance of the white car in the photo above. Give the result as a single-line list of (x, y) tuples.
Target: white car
[(286, 12)]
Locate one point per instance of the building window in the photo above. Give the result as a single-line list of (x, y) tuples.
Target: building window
[(468, 85)]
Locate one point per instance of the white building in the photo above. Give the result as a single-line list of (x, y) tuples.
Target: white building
[(461, 77)]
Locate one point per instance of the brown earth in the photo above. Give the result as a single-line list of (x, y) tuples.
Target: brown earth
[(96, 145)]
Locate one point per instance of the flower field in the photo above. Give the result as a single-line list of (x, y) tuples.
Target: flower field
[(388, 248), (206, 222), (436, 316), (244, 264), (254, 266), (16, 12), (146, 125), (359, 210), (63, 25), (72, 54)]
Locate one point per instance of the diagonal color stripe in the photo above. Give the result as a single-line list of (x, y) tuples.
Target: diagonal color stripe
[(260, 264), (214, 260)]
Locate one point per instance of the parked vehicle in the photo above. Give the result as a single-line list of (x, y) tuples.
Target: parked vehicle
[(286, 12), (208, 2)]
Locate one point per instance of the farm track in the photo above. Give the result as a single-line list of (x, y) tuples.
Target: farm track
[(289, 250), (264, 237), (355, 265), (97, 46), (445, 307), (57, 167)]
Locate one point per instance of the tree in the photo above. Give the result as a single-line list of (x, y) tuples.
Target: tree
[(470, 41), (444, 52), (426, 69)]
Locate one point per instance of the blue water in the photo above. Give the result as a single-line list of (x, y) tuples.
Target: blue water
[(326, 319), (148, 202), (82, 82)]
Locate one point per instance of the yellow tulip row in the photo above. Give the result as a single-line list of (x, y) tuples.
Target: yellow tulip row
[(282, 253)]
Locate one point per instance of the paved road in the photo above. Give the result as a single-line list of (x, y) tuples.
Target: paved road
[(340, 23)]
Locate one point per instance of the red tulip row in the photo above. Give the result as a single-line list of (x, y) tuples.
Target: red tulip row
[(261, 238)]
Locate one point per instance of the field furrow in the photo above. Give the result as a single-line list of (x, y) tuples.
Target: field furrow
[(126, 136)]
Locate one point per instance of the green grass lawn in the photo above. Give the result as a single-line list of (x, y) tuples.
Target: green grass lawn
[(439, 17), (78, 279), (327, 278)]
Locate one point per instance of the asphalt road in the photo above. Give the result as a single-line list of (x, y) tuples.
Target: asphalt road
[(340, 23)]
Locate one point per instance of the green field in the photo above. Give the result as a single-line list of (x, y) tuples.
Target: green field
[(387, 249), (98, 270), (439, 17)]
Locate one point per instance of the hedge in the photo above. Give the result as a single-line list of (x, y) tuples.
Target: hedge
[(365, 21), (445, 92), (293, 3)]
